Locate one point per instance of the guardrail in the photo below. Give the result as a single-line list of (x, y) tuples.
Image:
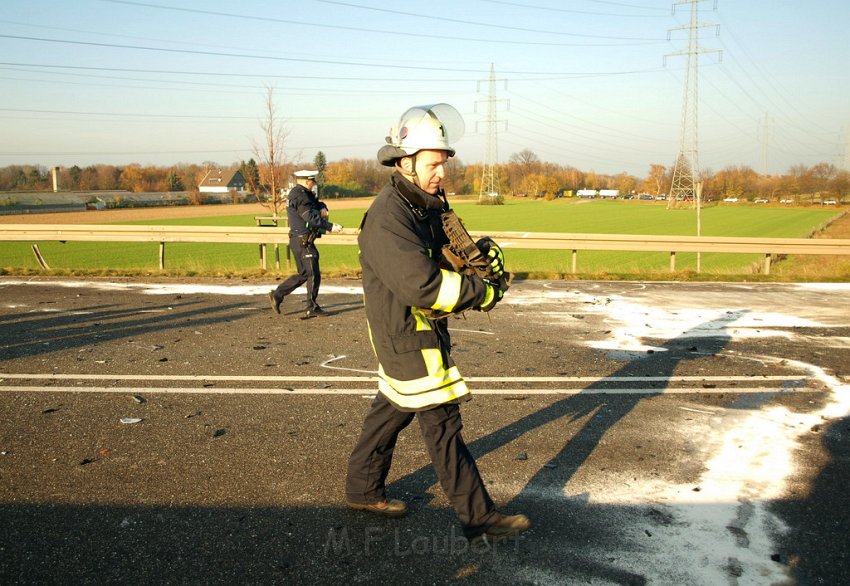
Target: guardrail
[(263, 236)]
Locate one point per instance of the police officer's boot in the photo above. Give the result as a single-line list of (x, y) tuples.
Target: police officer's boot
[(315, 312), (275, 302)]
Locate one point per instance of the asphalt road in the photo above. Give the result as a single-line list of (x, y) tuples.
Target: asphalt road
[(655, 433)]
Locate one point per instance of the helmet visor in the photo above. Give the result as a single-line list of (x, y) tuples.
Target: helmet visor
[(441, 118)]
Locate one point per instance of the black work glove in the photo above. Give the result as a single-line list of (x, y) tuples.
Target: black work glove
[(491, 298), (494, 254)]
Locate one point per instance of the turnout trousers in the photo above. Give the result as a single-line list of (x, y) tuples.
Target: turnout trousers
[(370, 461), (307, 263)]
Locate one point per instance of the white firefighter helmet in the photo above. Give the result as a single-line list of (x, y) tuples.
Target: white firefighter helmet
[(433, 127)]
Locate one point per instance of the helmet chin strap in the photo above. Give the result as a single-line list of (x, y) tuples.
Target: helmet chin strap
[(414, 177)]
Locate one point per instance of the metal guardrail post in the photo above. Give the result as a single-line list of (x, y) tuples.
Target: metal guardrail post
[(39, 257), (518, 240)]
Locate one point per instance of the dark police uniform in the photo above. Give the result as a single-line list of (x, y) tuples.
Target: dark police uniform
[(304, 214), (403, 282)]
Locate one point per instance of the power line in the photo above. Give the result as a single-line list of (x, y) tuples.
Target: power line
[(774, 89), (277, 58), (626, 5), (558, 76), (213, 88), (612, 131), (444, 19), (572, 11), (238, 75), (404, 33), (185, 116)]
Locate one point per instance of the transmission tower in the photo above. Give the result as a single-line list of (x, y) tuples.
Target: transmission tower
[(490, 188), (764, 129), (686, 169)]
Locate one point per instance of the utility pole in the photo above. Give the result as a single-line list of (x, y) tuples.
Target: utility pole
[(490, 191), (686, 169), (764, 128), (698, 200), (846, 158)]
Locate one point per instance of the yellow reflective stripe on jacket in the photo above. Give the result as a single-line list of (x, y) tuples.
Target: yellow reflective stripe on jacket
[(449, 292), (438, 387), (488, 297), (422, 323)]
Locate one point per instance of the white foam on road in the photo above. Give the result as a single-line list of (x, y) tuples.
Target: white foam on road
[(181, 288), (837, 287), (722, 520), (722, 529), (724, 532)]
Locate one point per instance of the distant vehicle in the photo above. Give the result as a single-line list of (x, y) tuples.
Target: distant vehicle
[(661, 197), (609, 193), (830, 202), (629, 196), (730, 199), (786, 201), (591, 193), (762, 200), (645, 196)]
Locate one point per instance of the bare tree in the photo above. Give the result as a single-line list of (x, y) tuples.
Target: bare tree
[(525, 157), (270, 154)]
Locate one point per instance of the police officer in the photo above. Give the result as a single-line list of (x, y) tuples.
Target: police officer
[(307, 217), (406, 288)]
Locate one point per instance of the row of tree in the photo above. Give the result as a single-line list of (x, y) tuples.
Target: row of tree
[(523, 174), (103, 178), (526, 174)]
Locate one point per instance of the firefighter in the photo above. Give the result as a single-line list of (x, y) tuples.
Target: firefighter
[(308, 220), (405, 288)]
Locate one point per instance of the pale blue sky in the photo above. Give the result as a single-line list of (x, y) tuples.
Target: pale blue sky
[(582, 83)]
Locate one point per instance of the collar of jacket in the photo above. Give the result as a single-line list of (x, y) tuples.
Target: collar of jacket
[(301, 189), (416, 197)]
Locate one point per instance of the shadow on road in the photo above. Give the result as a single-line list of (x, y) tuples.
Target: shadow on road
[(815, 517), (52, 542), (33, 334), (606, 410)]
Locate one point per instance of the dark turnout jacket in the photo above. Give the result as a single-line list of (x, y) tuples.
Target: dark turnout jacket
[(304, 212), (403, 281)]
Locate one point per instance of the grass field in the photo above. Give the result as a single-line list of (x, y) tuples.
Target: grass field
[(570, 216)]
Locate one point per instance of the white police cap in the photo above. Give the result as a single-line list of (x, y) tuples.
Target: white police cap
[(306, 174)]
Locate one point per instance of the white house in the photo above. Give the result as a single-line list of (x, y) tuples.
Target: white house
[(218, 181)]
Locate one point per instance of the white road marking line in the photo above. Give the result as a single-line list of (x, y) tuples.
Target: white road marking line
[(326, 364), (697, 410), (185, 377), (456, 330), (341, 391), (283, 378)]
